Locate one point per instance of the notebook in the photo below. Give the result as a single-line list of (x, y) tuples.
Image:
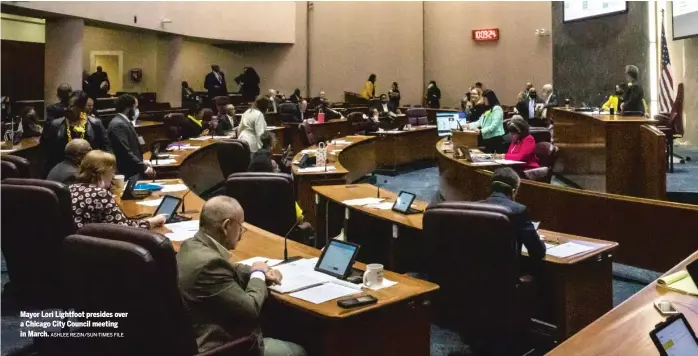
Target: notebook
[(679, 282)]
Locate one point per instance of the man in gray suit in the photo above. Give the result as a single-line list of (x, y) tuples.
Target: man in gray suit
[(225, 299)]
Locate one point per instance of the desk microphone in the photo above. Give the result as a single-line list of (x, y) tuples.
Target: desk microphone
[(286, 258), (184, 196), (460, 127), (378, 187)]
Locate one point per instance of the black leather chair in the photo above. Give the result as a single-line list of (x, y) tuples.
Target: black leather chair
[(547, 154), (306, 135), (129, 270), (472, 249), (289, 112), (205, 170), (35, 220), (671, 124), (417, 116), (8, 170), (267, 198), (23, 165)]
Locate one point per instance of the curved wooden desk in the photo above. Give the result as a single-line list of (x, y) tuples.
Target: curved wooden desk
[(626, 154), (652, 234), (401, 313), (625, 329)]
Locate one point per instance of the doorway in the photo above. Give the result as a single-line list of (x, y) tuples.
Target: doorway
[(112, 62)]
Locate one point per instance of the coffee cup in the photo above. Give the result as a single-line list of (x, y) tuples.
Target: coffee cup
[(119, 181), (374, 275)]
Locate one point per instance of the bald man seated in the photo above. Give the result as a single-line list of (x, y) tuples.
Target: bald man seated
[(66, 171), (225, 299)]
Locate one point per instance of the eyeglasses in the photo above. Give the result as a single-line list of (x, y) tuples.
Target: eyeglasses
[(243, 229)]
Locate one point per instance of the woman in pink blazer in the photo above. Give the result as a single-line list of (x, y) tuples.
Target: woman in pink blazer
[(523, 145)]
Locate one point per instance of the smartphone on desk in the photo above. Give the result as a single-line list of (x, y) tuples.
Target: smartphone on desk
[(665, 308)]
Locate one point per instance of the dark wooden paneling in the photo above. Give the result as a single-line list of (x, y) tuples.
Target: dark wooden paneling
[(23, 70)]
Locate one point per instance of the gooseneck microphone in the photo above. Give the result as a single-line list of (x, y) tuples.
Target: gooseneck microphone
[(286, 258)]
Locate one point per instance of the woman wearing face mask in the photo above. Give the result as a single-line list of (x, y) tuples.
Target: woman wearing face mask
[(613, 100), (523, 145), (91, 200), (30, 123), (394, 95), (75, 124), (433, 95)]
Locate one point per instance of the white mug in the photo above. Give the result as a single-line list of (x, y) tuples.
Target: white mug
[(373, 275), (119, 181)]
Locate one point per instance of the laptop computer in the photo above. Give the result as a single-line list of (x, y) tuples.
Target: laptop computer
[(403, 203), (478, 157)]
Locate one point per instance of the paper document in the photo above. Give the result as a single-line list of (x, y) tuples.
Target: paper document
[(173, 188), (323, 293), (183, 147), (180, 235), (429, 126), (547, 246), (386, 283), (316, 169), (191, 225), (507, 161), (491, 163), (163, 162), (308, 151), (568, 249), (272, 127), (201, 138), (269, 261), (386, 205), (679, 282), (154, 202), (299, 275), (340, 142), (362, 201)]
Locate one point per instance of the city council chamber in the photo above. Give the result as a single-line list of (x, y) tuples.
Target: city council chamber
[(349, 178)]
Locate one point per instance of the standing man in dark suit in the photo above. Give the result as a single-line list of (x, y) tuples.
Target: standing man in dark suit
[(225, 299), (215, 82), (58, 109), (99, 81), (505, 184), (634, 94), (126, 143)]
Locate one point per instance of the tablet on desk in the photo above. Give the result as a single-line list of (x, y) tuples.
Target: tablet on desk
[(168, 206), (337, 258), (403, 203), (674, 337)]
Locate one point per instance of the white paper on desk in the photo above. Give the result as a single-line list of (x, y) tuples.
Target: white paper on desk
[(568, 249), (386, 283), (300, 275), (429, 126), (324, 292), (191, 225), (340, 142), (180, 235), (362, 201), (154, 202), (223, 137), (316, 169), (269, 261), (506, 161), (272, 127), (547, 246), (308, 151), (167, 188), (183, 147), (386, 205), (163, 162), (201, 138), (486, 163)]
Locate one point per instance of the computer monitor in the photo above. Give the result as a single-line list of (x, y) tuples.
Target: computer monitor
[(337, 258), (446, 122)]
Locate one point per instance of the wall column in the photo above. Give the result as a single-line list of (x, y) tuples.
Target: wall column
[(63, 57), (169, 70)]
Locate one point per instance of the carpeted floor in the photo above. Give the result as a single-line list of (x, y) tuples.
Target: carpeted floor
[(423, 180)]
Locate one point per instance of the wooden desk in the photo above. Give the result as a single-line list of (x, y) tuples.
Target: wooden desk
[(151, 131), (627, 152), (397, 325), (634, 223), (331, 129), (625, 329), (397, 148), (576, 290)]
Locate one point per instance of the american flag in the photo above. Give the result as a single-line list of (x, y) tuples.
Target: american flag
[(666, 83)]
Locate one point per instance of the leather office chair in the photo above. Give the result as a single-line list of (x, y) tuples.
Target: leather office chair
[(472, 250), (417, 116), (8, 170), (546, 153), (306, 135), (23, 165), (268, 199), (357, 122), (34, 225), (174, 123), (671, 124), (233, 156), (201, 171), (289, 112), (541, 134), (132, 271)]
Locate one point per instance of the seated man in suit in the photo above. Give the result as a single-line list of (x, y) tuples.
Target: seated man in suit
[(274, 102), (505, 184), (66, 171), (387, 108), (125, 141), (58, 109), (225, 122), (225, 299)]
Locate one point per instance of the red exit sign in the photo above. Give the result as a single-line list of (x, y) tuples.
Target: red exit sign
[(488, 34)]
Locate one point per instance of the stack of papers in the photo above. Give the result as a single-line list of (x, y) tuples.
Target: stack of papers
[(163, 162), (340, 142), (182, 147), (506, 161), (299, 275), (679, 282), (363, 201), (386, 205), (182, 230), (201, 138), (568, 249), (271, 262), (154, 202), (272, 127), (167, 188), (324, 292), (316, 169)]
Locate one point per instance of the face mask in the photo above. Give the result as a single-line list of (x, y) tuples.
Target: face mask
[(134, 114), (533, 95), (619, 92), (514, 137)]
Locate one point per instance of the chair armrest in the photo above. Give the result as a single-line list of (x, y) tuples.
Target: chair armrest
[(243, 346), (539, 174)]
